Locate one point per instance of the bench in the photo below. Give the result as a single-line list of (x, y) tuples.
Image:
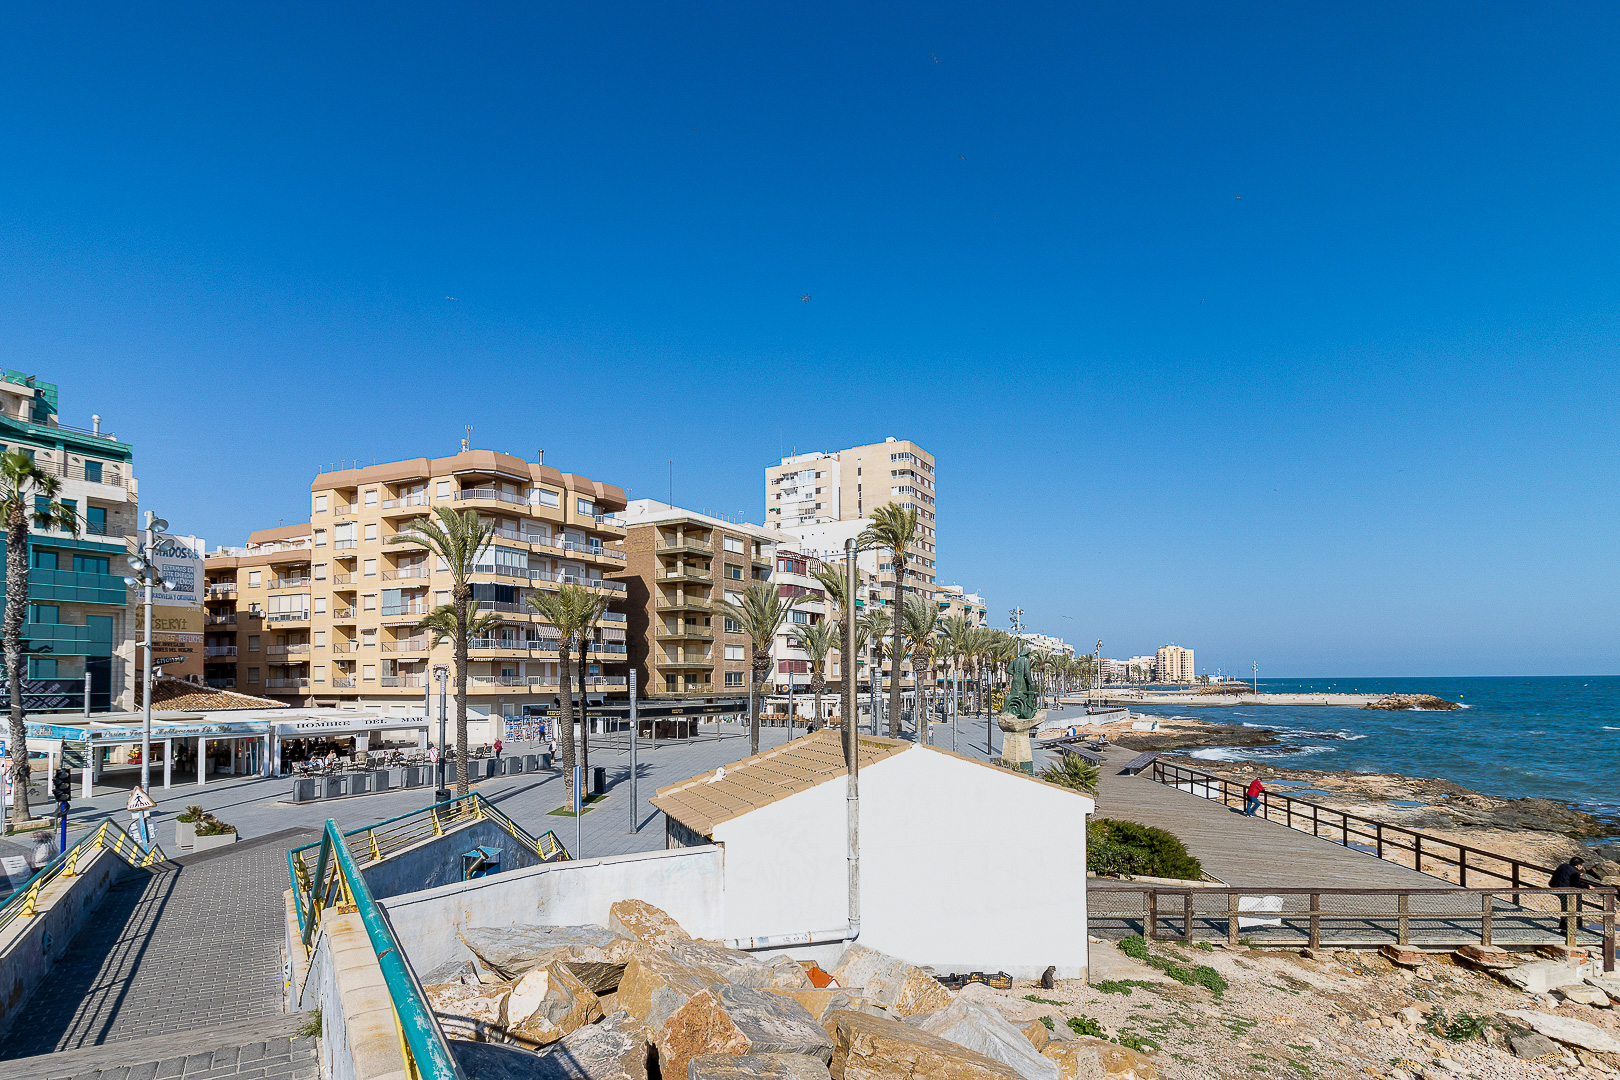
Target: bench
[(1087, 755), (1140, 762)]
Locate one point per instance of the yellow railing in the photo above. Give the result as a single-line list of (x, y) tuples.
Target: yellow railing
[(23, 904)]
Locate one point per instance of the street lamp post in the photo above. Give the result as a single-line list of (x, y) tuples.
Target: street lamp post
[(442, 673), (143, 562)]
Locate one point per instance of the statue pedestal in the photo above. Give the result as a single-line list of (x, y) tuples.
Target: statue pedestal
[(1015, 750)]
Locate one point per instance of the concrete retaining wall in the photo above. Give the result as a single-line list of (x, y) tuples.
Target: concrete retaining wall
[(359, 1035), (437, 862), (30, 948), (686, 882)]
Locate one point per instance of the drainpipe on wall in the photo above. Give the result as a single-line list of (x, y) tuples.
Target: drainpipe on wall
[(852, 795)]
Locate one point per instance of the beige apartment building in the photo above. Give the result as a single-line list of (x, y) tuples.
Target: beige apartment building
[(955, 600), (820, 497), (324, 613), (1173, 664)]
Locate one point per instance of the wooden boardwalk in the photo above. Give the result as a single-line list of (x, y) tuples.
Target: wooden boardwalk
[(1245, 851)]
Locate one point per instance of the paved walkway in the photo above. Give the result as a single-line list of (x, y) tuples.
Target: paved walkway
[(190, 945)]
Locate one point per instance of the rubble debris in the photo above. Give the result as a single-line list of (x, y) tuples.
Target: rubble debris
[(730, 1019), (982, 1029), (474, 1013), (595, 954), (756, 1067), (547, 1003), (867, 1047), (902, 988), (641, 921), (1569, 1031)]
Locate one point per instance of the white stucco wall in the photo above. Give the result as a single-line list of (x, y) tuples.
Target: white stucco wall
[(963, 867)]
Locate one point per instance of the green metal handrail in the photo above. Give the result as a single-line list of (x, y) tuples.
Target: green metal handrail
[(427, 1053), (22, 902)]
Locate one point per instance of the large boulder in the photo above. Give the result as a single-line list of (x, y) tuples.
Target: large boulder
[(1117, 1062), (1568, 1030), (618, 1048), (1582, 994), (787, 973), (984, 1030), (654, 986), (734, 966), (1074, 1061), (493, 1061), (737, 1020), (547, 1003), (1609, 984), (867, 1047), (903, 988), (474, 1013), (819, 1002), (595, 954), (756, 1067), (641, 921), (1531, 1045), (1541, 976)]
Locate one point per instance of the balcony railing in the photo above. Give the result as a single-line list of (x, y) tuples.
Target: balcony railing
[(613, 616), (286, 650), (685, 544), (342, 579), (222, 588), (690, 600), (280, 683), (290, 583), (219, 620), (415, 644), (487, 494), (686, 573), (106, 475), (391, 610), (340, 681), (340, 544), (219, 650), (419, 499), (707, 633), (405, 572), (344, 508), (221, 684), (404, 680), (287, 616)]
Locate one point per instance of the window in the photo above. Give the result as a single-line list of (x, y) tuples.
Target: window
[(369, 672), (371, 532), (371, 497), (800, 617), (254, 577), (95, 520), (91, 564), (543, 497), (318, 672), (92, 471), (585, 507), (735, 652), (734, 678), (320, 504), (444, 565), (368, 602), (320, 639), (734, 597), (44, 560), (733, 572), (253, 643), (253, 674), (443, 489), (368, 638), (320, 537), (320, 571), (42, 667), (369, 568), (734, 544), (44, 613), (440, 599), (320, 605), (732, 627)]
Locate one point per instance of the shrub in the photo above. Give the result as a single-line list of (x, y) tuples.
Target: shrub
[(192, 813), (1460, 1028), (209, 825), (1085, 1025), (1148, 850), (1072, 771), (1047, 1020), (1134, 947)]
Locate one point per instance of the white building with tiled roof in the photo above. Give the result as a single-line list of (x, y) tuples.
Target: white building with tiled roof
[(964, 866)]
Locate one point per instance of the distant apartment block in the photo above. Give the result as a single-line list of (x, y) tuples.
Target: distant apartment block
[(1047, 643), (1173, 664), (81, 617), (324, 613), (955, 600)]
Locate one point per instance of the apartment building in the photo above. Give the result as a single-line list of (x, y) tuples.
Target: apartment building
[(955, 600), (324, 613), (1048, 643), (1173, 664), (806, 492), (81, 617), (678, 564)]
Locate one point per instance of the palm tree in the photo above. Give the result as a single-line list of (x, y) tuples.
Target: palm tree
[(871, 625), (894, 527), (956, 632), (760, 615), (817, 641), (1072, 771), (572, 610), (27, 495), (921, 631), (592, 607), (457, 539)]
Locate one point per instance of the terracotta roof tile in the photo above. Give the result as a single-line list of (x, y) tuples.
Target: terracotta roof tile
[(177, 695), (704, 801)]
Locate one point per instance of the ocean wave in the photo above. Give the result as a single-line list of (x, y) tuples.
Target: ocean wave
[(1606, 727), (1341, 735), (1251, 753)]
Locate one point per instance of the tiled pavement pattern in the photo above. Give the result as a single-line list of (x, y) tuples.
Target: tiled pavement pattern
[(183, 946), (283, 1058)]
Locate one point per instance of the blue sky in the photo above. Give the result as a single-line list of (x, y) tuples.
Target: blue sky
[(1287, 332)]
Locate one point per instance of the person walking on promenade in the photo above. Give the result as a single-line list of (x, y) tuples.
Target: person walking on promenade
[(1569, 875), (1251, 797), (497, 749)]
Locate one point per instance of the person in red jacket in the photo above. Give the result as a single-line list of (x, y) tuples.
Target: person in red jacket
[(1251, 798), (497, 749)]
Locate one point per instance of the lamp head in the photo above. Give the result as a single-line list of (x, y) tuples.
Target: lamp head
[(158, 524), (136, 563), (168, 586), (131, 582)]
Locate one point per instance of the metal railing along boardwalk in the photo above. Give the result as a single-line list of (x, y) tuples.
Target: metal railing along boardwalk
[(1359, 833), (328, 876), (22, 903), (1360, 917)]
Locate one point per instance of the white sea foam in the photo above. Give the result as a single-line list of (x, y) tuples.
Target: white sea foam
[(1248, 753), (1606, 727)]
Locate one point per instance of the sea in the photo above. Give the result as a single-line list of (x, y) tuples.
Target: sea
[(1549, 737)]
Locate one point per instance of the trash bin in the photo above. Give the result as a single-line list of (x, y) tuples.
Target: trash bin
[(490, 768), (530, 763), (379, 780), (305, 790), (598, 780), (515, 765), (359, 783), (545, 760), (412, 776), (333, 786)]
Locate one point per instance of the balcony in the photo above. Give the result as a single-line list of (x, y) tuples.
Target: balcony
[(703, 633), (342, 579), (614, 616), (687, 602), (288, 684), (219, 650), (696, 662), (686, 573), (221, 684), (405, 573), (346, 614), (342, 683), (344, 508), (342, 544), (521, 573), (285, 650), (607, 648), (415, 644), (287, 616), (222, 588), (290, 583), (405, 502), (689, 543), (487, 494), (346, 646), (404, 680)]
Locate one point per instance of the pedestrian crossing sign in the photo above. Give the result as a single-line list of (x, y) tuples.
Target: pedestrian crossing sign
[(139, 801)]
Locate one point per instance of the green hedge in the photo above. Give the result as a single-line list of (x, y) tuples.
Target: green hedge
[(1125, 847)]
